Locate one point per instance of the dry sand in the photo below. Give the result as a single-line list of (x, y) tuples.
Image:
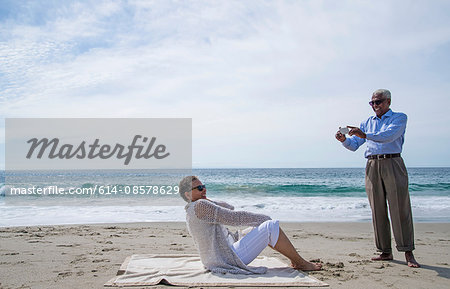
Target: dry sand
[(86, 256)]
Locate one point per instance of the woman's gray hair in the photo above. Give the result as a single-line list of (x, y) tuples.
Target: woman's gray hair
[(186, 186), (384, 92)]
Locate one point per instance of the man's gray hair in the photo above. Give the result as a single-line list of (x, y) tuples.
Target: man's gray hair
[(384, 92)]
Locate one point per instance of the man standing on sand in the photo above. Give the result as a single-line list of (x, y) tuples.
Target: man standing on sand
[(386, 175)]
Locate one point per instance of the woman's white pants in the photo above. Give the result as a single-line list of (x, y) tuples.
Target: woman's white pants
[(249, 247)]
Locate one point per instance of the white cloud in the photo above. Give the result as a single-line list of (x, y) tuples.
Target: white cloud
[(262, 80)]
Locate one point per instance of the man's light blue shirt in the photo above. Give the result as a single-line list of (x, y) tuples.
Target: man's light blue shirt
[(384, 135)]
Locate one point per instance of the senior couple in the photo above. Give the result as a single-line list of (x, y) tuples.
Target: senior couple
[(222, 251)]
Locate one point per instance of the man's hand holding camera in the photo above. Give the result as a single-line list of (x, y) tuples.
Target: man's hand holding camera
[(351, 130), (356, 131)]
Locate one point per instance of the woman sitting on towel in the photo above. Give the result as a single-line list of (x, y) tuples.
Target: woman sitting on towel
[(220, 250)]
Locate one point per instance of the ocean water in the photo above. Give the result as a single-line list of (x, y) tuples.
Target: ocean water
[(290, 195)]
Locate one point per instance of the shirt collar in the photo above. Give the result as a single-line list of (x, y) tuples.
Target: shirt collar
[(387, 114)]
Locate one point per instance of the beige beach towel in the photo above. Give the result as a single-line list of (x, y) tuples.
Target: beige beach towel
[(187, 270)]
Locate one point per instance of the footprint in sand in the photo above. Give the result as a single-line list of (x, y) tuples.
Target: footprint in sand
[(110, 249), (100, 260), (64, 274), (335, 265)]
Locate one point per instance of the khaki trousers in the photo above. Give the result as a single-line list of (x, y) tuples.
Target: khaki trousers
[(387, 179)]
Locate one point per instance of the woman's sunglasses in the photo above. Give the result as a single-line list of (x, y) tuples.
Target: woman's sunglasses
[(377, 102), (200, 187)]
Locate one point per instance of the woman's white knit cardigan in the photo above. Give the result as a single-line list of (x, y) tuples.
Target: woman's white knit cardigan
[(205, 221)]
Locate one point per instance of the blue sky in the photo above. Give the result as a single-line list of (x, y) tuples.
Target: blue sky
[(267, 83)]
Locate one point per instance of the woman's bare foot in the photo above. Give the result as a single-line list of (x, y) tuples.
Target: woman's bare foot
[(307, 266), (410, 260), (383, 257)]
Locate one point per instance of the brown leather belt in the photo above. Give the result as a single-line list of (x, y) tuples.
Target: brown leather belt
[(386, 156)]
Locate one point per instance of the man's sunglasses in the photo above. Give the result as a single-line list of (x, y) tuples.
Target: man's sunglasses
[(377, 102), (200, 187)]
